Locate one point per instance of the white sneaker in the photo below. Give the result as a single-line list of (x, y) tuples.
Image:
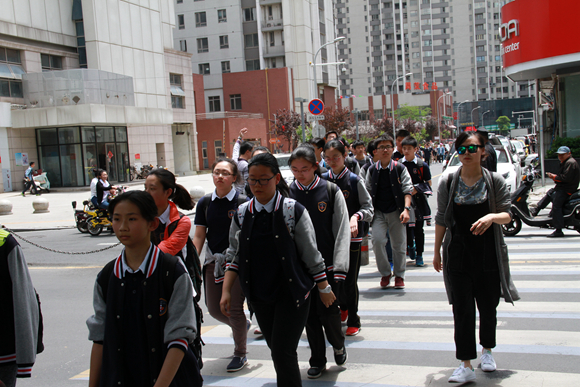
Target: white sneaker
[(462, 375), (487, 361)]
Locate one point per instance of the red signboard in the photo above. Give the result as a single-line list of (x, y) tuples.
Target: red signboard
[(532, 30), (137, 156)]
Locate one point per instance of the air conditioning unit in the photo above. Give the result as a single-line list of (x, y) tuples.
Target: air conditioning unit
[(270, 17), (279, 23), (269, 25)]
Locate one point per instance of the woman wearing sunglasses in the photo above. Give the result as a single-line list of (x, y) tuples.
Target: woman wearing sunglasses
[(472, 204)]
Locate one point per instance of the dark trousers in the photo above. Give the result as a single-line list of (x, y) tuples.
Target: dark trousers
[(322, 317), (8, 374), (417, 235), (349, 297), (558, 198), (468, 289), (30, 184), (282, 325)]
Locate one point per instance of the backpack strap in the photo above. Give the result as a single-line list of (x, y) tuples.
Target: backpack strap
[(205, 204), (331, 194)]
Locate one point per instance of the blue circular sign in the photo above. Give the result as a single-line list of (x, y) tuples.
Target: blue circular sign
[(316, 107)]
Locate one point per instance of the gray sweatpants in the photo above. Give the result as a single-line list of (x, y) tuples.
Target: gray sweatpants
[(381, 224)]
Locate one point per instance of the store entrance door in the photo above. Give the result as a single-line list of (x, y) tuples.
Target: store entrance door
[(108, 160)]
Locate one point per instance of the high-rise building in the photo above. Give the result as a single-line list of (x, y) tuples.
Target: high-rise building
[(243, 35)]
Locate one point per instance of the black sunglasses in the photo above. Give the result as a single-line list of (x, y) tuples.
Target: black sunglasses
[(470, 148)]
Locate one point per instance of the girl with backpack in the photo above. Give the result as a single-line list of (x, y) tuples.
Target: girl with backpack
[(360, 214), (212, 224), (144, 321), (327, 209), (273, 253)]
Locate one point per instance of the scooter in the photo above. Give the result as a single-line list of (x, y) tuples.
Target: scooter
[(98, 219), (81, 216), (521, 211)]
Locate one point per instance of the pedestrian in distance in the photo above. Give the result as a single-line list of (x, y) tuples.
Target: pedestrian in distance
[(273, 252), (19, 320), (399, 137), (255, 151), (421, 179), (29, 180), (212, 224), (97, 172), (242, 152), (144, 320), (490, 161), (327, 209), (104, 190), (360, 214), (472, 203), (390, 187)]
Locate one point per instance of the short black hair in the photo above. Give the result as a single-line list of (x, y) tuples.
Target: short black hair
[(409, 140), (246, 146), (331, 132), (402, 133), (30, 164), (317, 142), (372, 146), (357, 143), (143, 200), (385, 137)]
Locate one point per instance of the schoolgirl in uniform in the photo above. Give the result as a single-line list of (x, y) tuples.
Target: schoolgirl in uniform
[(144, 319), (329, 214), (360, 210), (273, 252), (212, 224)]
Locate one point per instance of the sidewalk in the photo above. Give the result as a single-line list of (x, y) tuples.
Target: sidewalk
[(61, 213)]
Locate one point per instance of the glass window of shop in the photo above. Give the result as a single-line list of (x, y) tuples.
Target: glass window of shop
[(70, 154), (570, 112)]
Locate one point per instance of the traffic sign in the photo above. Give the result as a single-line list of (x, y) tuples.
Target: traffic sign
[(316, 107), (273, 140), (316, 118)]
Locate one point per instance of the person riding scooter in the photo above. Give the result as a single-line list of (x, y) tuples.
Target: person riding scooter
[(567, 181)]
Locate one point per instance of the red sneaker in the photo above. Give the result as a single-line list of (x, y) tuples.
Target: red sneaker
[(385, 281), (352, 331), (399, 283), (343, 315)]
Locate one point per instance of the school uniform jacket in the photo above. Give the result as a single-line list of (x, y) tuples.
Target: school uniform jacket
[(400, 182), (168, 324), (357, 198), (331, 225), (302, 263), (18, 308)]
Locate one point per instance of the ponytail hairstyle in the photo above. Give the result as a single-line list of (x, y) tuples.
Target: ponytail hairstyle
[(267, 160), (179, 194), (234, 165), (336, 144), (143, 200), (306, 152)]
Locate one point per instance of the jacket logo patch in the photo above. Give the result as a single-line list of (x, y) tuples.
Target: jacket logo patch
[(231, 213), (162, 306), (346, 193), (415, 171), (321, 206)]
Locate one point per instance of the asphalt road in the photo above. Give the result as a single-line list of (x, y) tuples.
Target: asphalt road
[(407, 335)]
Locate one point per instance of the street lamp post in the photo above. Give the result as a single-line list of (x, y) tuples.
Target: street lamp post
[(393, 100), (472, 110), (355, 111), (302, 100), (439, 118), (458, 111), (483, 117), (340, 38)]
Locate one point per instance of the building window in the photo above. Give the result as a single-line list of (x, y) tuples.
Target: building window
[(272, 39), (202, 45), (217, 144), (204, 68), (10, 73), (222, 16), (214, 104), (225, 67), (249, 14), (251, 40), (200, 19), (51, 62), (179, 1), (81, 44), (181, 21), (8, 55), (224, 42), (10, 88), (177, 93), (183, 45), (204, 154), (236, 102), (253, 65)]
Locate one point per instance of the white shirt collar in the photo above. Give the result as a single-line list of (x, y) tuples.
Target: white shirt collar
[(380, 165), (142, 267), (230, 196), (269, 207), (415, 160), (164, 217)]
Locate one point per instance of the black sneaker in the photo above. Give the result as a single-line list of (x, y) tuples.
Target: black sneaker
[(237, 364), (556, 234), (340, 356), (315, 372)]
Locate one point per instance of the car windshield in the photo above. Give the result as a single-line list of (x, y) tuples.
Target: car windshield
[(283, 162), (518, 145)]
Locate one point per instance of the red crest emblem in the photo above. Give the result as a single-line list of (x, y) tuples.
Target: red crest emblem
[(162, 306), (231, 213), (321, 206), (346, 194)]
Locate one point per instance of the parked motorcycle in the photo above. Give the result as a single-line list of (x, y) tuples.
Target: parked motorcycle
[(98, 220), (521, 212), (81, 216)]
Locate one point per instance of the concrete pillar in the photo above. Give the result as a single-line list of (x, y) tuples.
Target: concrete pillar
[(5, 123)]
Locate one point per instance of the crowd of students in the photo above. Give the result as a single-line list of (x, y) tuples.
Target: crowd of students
[(293, 254)]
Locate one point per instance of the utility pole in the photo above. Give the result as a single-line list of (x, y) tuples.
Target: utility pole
[(302, 100)]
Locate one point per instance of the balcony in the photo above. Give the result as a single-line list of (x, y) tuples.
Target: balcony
[(270, 2), (77, 87), (273, 51), (272, 25)]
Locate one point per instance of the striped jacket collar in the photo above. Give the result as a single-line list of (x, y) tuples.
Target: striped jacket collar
[(390, 166), (272, 205), (339, 176), (148, 266), (310, 186)]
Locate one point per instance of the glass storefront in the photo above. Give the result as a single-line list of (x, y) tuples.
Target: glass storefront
[(570, 96), (69, 155)]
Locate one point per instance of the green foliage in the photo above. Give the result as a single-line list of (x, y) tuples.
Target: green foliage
[(503, 124), (572, 143), (308, 133), (415, 113), (421, 135)]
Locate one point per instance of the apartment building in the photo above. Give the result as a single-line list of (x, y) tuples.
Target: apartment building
[(228, 36), (91, 84)]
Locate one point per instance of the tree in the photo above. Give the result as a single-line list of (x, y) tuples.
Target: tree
[(337, 119), (385, 126), (431, 128), (503, 123), (414, 113), (285, 125)]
